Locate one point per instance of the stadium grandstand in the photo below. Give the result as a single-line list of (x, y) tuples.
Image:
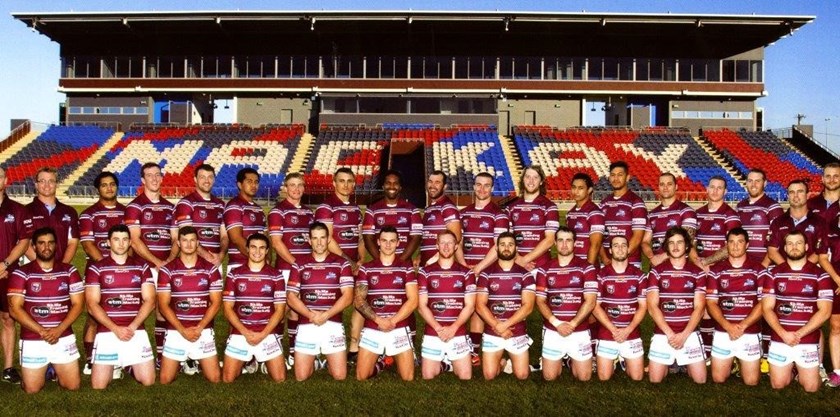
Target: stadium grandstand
[(462, 92)]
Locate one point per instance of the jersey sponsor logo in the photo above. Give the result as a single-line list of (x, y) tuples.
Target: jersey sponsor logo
[(311, 297), (484, 225), (756, 218), (152, 236), (669, 306), (398, 280), (298, 240), (519, 238), (135, 279), (701, 246), (63, 286), (378, 303), (632, 289), (575, 279), (458, 284), (498, 308), (245, 310), (620, 213), (809, 229), (785, 309), (402, 220), (103, 245), (205, 233), (535, 218), (807, 289), (517, 286), (613, 311), (40, 311), (115, 302), (716, 227), (431, 217), (556, 300), (9, 219), (347, 234), (332, 275), (439, 306), (182, 305), (66, 218), (689, 285), (203, 282), (749, 282), (671, 223), (468, 245), (727, 304)]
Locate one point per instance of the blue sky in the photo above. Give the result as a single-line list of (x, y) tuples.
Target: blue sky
[(802, 71)]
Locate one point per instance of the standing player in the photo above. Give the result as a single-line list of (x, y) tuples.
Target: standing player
[(243, 217), (149, 218), (797, 301), (204, 211), (534, 219), (798, 217), (393, 210), (624, 214), (189, 294), (447, 300), (441, 214), (94, 224), (827, 203), (676, 299), (757, 212), (586, 219), (120, 295), (671, 212), (46, 297), (620, 309), (320, 288), (566, 295), (505, 299), (254, 304), (13, 244), (386, 295), (732, 299), (46, 211), (831, 264)]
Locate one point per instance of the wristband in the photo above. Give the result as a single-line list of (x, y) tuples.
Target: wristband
[(555, 321)]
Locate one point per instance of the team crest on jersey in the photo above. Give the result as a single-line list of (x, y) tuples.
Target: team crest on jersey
[(102, 223), (177, 282), (485, 225), (35, 287), (253, 217), (716, 227), (781, 286), (398, 281), (380, 221), (551, 281), (807, 289), (458, 284), (202, 214), (610, 289), (809, 229), (689, 284), (665, 283), (202, 282), (294, 220), (517, 286), (66, 218), (241, 286), (343, 217), (147, 216), (374, 280), (671, 223), (306, 275), (515, 217), (724, 283), (135, 279), (331, 275), (494, 286), (266, 289), (620, 213), (434, 283), (63, 286), (756, 218), (535, 218), (109, 279)]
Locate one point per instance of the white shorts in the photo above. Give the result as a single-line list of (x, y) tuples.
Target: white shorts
[(177, 348), (239, 349), (577, 345), (514, 345), (628, 349), (36, 354), (326, 339), (110, 350), (155, 272), (435, 349), (388, 343), (804, 355), (745, 348), (691, 352)]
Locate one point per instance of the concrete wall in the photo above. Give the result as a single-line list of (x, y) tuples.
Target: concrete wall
[(260, 110), (371, 119), (110, 101), (560, 113), (727, 106)]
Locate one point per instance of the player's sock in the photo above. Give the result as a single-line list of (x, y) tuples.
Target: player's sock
[(160, 334), (88, 351), (475, 340), (593, 331), (292, 327), (707, 333)]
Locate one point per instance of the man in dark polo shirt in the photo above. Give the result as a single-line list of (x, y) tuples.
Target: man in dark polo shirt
[(13, 244), (46, 211), (798, 217)]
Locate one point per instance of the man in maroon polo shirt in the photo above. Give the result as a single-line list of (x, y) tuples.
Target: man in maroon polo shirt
[(46, 211)]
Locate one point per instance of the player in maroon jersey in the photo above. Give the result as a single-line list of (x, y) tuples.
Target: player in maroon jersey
[(447, 300), (620, 310), (586, 219), (386, 296), (46, 296), (395, 211), (441, 214), (504, 301), (757, 211), (46, 211), (204, 211), (827, 203), (189, 294), (624, 214), (243, 217), (120, 295), (567, 290), (13, 244), (676, 300), (733, 293), (534, 219), (669, 213), (798, 217), (831, 263), (797, 301), (320, 288), (254, 303)]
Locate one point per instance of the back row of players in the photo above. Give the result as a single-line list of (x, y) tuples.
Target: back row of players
[(709, 261)]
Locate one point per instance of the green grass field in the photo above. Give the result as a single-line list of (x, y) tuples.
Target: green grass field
[(387, 395)]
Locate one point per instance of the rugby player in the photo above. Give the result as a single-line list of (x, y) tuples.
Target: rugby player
[(669, 213), (534, 219), (586, 219), (395, 211), (827, 203), (46, 211), (243, 217), (798, 217), (757, 211), (13, 244), (625, 214), (441, 214), (204, 211)]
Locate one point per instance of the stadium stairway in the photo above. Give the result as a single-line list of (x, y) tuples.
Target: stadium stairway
[(88, 164), (20, 144), (307, 142), (514, 162), (723, 162)]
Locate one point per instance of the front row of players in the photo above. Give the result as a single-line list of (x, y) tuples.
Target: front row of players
[(794, 299)]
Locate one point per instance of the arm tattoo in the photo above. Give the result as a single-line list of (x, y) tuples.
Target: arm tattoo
[(362, 304)]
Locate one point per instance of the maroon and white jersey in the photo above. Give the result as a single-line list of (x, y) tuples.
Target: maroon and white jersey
[(712, 227), (12, 230), (46, 294), (254, 295), (63, 219), (247, 215), (833, 247), (585, 221), (676, 288), (95, 222), (205, 215), (435, 219), (564, 288), (403, 216), (619, 296), (813, 226), (756, 217), (120, 288), (529, 220), (291, 224), (386, 287), (796, 294), (662, 218), (189, 289), (154, 219), (346, 220), (446, 290), (736, 290), (479, 228), (623, 216), (819, 206), (504, 293), (319, 284)]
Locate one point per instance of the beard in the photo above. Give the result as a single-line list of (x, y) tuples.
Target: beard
[(507, 256), (797, 257)]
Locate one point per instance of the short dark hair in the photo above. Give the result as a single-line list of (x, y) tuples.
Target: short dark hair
[(187, 230), (614, 237), (799, 181), (257, 236), (668, 174), (677, 230), (389, 229), (43, 232), (485, 175), (566, 229), (738, 231), (344, 170), (317, 226), (831, 165), (292, 175), (393, 172), (583, 177), (204, 167), (718, 178), (441, 173), (620, 164), (504, 235), (118, 228), (105, 174), (758, 171), (148, 165), (796, 232), (240, 176)]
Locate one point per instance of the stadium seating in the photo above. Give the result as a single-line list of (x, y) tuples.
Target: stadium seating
[(359, 149)]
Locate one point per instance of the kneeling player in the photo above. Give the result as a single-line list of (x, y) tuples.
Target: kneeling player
[(732, 299), (505, 299), (254, 303), (120, 294), (566, 295), (676, 299), (386, 295), (621, 308), (189, 296)]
